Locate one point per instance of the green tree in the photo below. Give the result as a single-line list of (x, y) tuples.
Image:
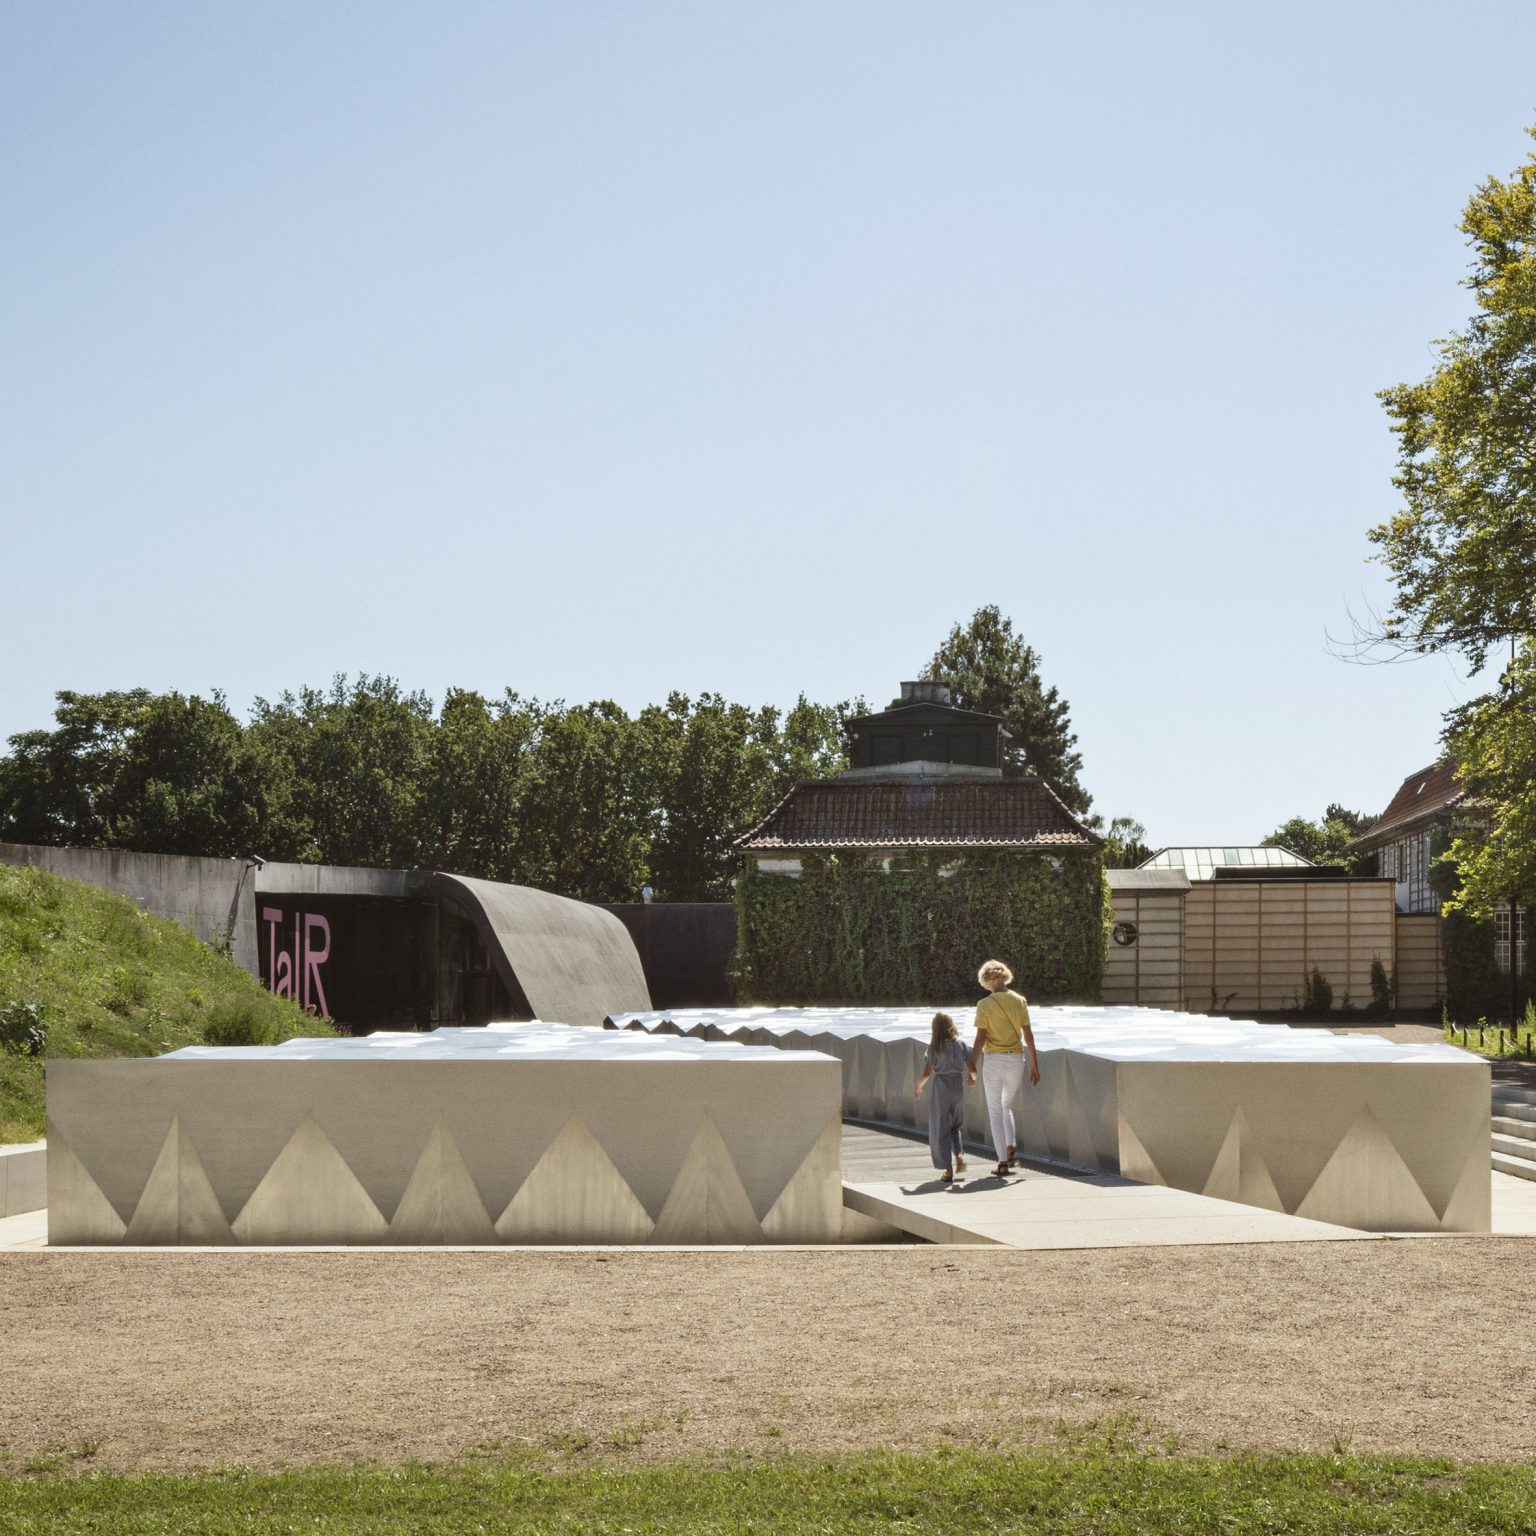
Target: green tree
[(1125, 844), (583, 811), (717, 768), (1461, 550), (1324, 841), (60, 787), (354, 765), (161, 773), (989, 668), (187, 781), (1493, 740), (472, 803)]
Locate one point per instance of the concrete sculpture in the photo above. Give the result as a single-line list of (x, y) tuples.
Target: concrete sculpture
[(1347, 1129), (518, 1134)]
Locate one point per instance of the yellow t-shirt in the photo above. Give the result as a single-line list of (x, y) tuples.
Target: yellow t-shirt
[(1003, 1017)]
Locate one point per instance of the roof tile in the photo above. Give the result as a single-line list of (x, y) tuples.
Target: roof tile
[(1423, 794), (997, 813)]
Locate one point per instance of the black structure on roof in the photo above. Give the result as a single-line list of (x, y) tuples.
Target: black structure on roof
[(923, 726)]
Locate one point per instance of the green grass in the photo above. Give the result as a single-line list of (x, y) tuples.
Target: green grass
[(1492, 1040), (1104, 1492), (109, 980)]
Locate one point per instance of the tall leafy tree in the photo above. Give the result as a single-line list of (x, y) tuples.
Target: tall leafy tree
[(717, 768), (1324, 841), (1125, 844), (989, 668), (583, 813), (163, 773), (1494, 742), (1461, 550), (188, 781), (358, 761), (60, 787), (583, 799), (473, 812)]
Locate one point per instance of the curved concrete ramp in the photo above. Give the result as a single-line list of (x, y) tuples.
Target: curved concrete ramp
[(573, 962)]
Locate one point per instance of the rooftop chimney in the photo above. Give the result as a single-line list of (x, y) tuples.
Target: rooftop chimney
[(924, 693)]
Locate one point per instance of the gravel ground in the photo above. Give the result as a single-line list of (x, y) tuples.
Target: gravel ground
[(193, 1360)]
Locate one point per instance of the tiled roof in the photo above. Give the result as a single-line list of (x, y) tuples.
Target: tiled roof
[(1423, 795), (991, 813)]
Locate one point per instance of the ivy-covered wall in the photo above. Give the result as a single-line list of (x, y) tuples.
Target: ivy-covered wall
[(1475, 987), (847, 931)]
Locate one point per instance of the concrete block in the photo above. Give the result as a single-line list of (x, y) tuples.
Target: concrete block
[(525, 1134), (23, 1178), (1351, 1131)]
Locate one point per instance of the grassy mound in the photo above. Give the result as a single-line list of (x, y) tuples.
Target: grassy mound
[(86, 973)]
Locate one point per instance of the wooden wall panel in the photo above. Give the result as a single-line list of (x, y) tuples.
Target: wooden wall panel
[(1252, 946), (1420, 962), (1150, 971)]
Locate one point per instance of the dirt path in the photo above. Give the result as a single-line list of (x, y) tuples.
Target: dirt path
[(180, 1360)]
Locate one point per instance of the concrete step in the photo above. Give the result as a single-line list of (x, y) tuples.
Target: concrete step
[(1514, 1109), (1507, 1125), (1520, 1167), (1513, 1093), (1515, 1146)]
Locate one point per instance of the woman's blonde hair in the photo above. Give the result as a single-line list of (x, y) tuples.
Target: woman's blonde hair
[(994, 970)]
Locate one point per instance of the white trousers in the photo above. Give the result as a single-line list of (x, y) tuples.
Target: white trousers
[(1002, 1075)]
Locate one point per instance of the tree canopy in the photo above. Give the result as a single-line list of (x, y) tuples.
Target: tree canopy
[(1462, 549), (1324, 841), (1493, 739), (582, 799), (1125, 844), (989, 668)]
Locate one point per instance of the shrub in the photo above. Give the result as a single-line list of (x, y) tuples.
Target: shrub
[(237, 1021), (128, 988), (1316, 993), (23, 1028), (1381, 988)]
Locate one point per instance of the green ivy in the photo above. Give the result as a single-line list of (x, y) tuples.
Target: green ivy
[(847, 931), (1475, 987)]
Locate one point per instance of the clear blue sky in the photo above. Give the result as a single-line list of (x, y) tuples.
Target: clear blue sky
[(604, 350)]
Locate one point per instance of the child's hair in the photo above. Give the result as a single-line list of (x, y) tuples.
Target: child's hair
[(943, 1029)]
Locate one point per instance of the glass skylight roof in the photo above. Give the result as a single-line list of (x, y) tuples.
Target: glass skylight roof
[(1202, 863)]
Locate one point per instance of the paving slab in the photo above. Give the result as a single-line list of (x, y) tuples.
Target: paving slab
[(888, 1176), (1514, 1205), (29, 1230)]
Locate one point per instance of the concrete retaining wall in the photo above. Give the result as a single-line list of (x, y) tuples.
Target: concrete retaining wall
[(23, 1178), (215, 898)]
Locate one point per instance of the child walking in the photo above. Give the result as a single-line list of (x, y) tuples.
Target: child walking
[(949, 1065)]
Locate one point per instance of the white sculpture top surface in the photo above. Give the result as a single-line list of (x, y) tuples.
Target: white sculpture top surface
[(1111, 1033), (535, 1041)]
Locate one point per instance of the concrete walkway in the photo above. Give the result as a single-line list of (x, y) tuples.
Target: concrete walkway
[(888, 1176)]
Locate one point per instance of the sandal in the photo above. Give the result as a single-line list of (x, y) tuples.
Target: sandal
[(1001, 1171), (946, 1178), (959, 1165)]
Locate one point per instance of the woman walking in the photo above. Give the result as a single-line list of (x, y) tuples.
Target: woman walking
[(949, 1067), (1002, 1036)]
